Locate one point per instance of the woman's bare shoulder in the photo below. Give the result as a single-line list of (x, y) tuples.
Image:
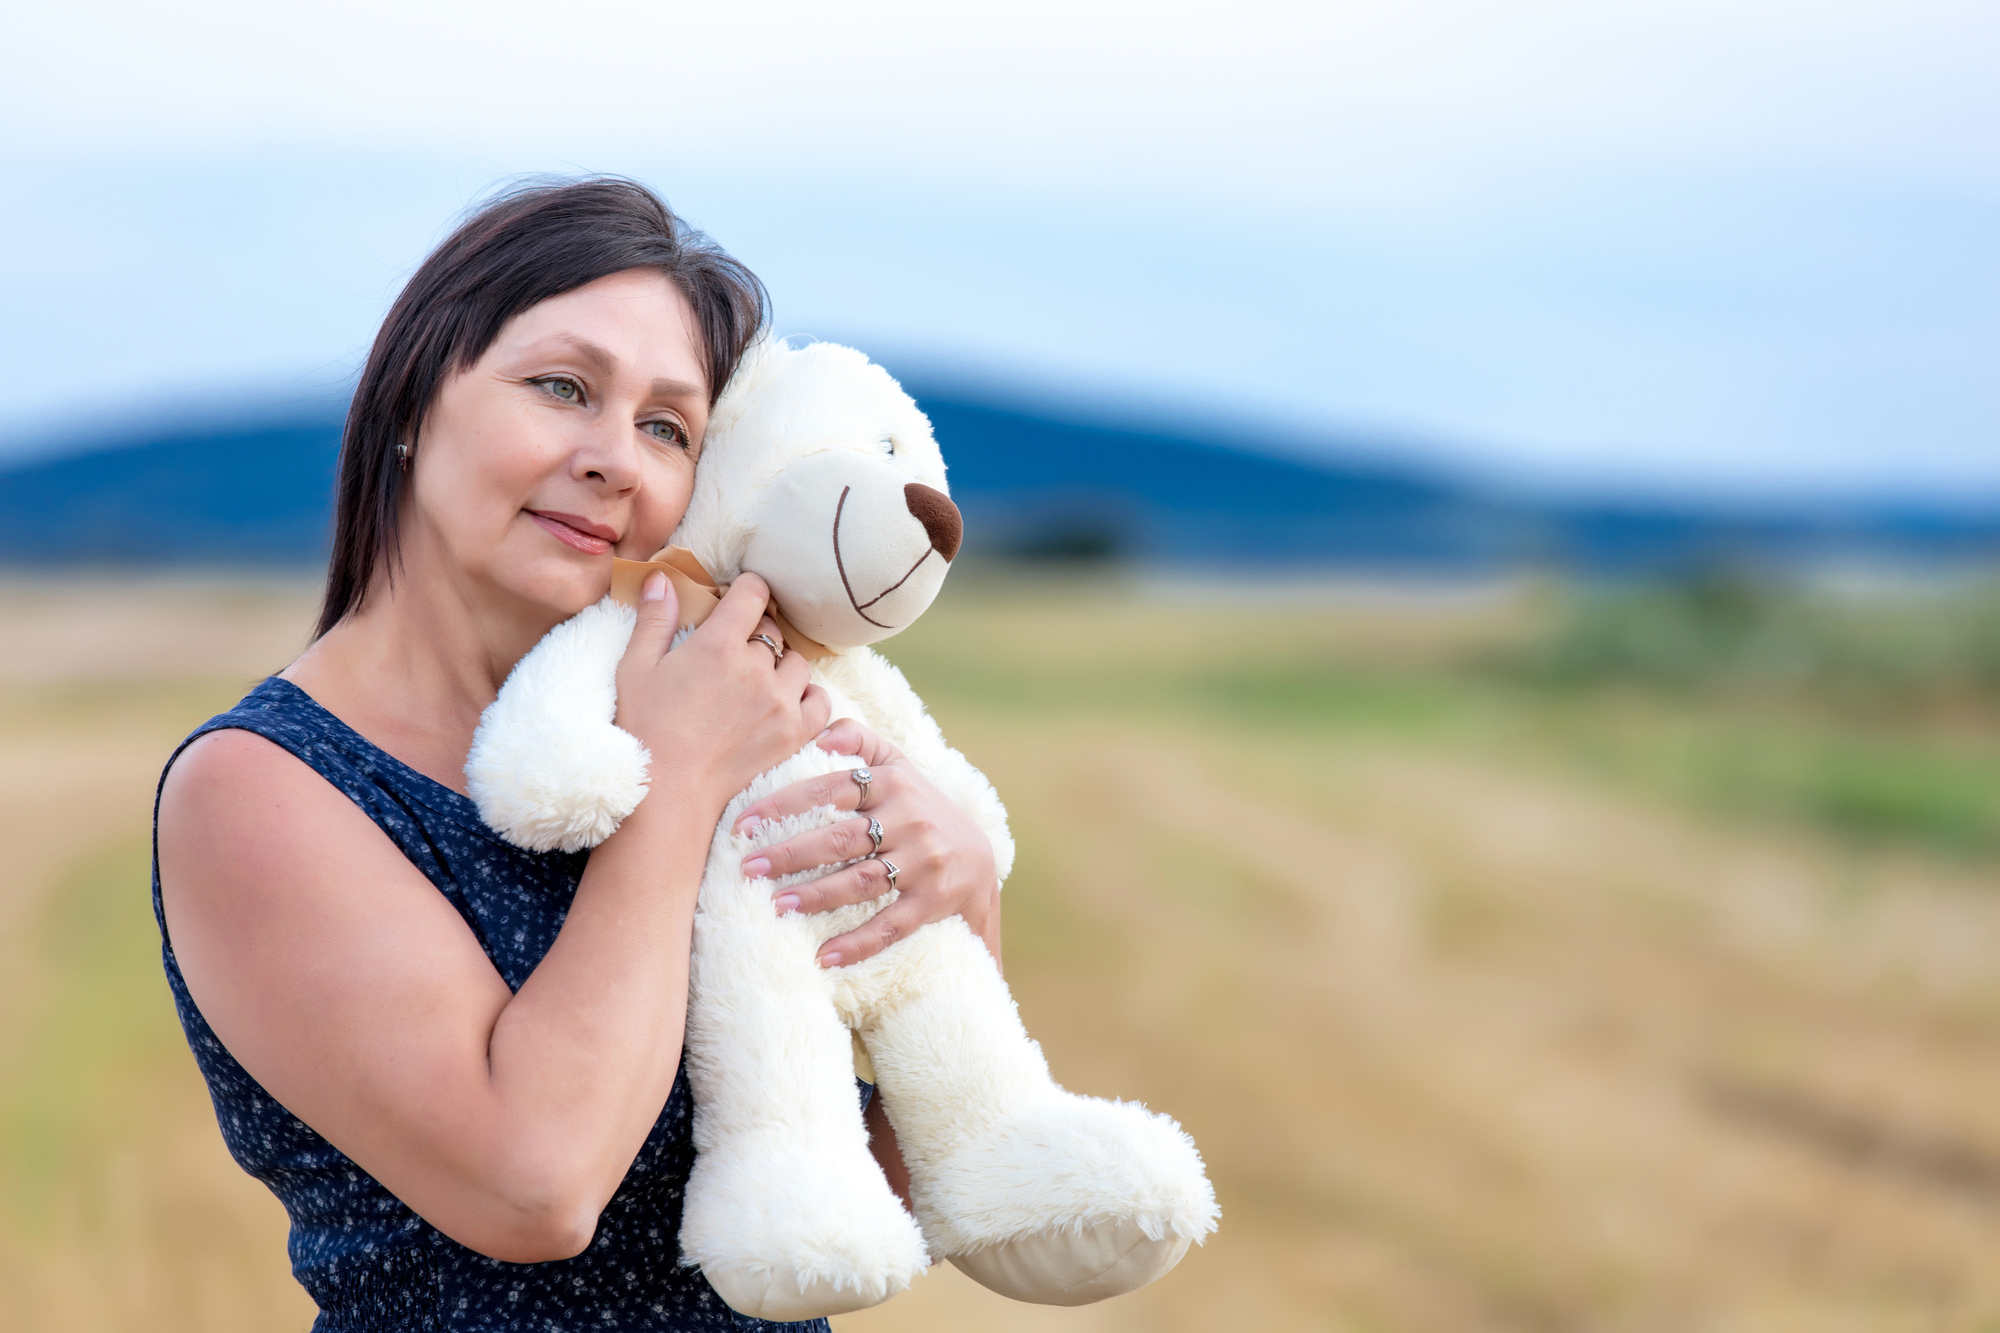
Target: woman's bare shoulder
[(232, 752), (241, 815), (224, 784)]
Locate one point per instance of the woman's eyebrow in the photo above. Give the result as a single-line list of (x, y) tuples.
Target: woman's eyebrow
[(583, 349), (663, 389), (605, 363)]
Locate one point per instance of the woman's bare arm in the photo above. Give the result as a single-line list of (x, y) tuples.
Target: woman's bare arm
[(351, 989)]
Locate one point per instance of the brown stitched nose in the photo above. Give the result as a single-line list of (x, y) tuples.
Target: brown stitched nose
[(934, 509)]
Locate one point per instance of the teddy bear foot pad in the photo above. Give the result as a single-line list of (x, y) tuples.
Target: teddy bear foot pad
[(1064, 1267), (783, 1298)]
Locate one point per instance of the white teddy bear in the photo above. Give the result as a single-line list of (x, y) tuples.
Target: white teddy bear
[(821, 475)]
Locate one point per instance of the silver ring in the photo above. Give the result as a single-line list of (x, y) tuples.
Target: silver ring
[(889, 869), (777, 649), (874, 834), (862, 777)]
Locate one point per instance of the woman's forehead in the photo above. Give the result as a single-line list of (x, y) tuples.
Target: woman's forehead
[(635, 325)]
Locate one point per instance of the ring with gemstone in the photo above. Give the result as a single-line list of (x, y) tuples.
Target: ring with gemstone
[(874, 835), (862, 777), (777, 649)]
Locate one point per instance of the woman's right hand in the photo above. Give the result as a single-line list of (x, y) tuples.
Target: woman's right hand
[(720, 710)]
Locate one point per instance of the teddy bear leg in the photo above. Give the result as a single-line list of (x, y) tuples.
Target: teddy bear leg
[(787, 1213), (1037, 1193)]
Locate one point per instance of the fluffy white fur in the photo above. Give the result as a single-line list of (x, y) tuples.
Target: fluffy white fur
[(553, 772), (1039, 1193)]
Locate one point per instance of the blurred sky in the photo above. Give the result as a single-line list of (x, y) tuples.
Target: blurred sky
[(1746, 247)]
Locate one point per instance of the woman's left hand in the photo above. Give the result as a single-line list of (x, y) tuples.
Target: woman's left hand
[(944, 863)]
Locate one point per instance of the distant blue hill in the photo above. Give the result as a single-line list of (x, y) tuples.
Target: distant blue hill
[(1034, 484), (236, 495)]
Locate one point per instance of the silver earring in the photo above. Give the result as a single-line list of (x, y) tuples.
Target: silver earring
[(403, 455)]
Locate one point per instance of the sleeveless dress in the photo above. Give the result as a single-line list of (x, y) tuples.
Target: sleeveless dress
[(372, 1265)]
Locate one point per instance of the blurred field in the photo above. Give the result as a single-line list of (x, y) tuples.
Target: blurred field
[(1507, 978)]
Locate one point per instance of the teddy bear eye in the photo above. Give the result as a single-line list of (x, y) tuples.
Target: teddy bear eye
[(889, 446)]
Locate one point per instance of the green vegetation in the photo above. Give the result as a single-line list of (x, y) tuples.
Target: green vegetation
[(1727, 634), (1875, 714)]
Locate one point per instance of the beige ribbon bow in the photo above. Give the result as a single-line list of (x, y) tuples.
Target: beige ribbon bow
[(699, 594)]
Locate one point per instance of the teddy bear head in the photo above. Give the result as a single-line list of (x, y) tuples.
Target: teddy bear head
[(820, 474)]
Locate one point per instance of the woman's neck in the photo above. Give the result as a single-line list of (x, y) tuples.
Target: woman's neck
[(414, 667)]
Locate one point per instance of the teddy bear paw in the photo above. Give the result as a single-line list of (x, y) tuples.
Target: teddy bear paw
[(1069, 1200), (788, 1229)]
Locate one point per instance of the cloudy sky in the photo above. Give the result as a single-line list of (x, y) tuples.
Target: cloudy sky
[(1732, 247)]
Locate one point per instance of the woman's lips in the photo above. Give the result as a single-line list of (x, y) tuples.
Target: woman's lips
[(581, 533)]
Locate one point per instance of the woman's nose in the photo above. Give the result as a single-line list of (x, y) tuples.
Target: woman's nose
[(608, 457), (940, 517)]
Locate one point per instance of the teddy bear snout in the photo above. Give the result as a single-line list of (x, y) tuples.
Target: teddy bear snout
[(940, 517)]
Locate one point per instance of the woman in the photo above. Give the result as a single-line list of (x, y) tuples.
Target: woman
[(457, 1063)]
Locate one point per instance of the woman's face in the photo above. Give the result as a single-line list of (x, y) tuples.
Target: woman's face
[(573, 437)]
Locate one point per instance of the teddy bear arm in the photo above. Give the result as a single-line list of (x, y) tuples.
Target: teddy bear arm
[(549, 768)]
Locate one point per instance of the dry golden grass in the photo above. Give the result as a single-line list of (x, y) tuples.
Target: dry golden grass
[(1469, 1042), (119, 1207)]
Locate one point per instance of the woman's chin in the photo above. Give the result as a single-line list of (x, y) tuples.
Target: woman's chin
[(561, 589)]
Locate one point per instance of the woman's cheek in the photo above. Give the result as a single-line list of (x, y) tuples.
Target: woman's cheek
[(663, 500)]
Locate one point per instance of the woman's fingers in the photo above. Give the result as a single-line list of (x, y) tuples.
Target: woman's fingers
[(843, 841), (861, 882), (894, 922), (837, 789), (849, 737), (740, 609), (815, 705), (944, 863), (729, 705), (767, 638), (659, 614)]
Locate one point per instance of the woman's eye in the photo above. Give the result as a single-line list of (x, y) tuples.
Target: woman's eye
[(556, 386), (670, 431)]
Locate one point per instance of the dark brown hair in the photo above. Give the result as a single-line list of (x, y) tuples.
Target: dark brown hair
[(525, 246)]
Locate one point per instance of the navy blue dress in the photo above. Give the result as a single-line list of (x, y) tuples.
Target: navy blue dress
[(372, 1264)]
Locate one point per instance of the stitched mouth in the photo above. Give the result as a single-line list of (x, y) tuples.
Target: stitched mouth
[(861, 607)]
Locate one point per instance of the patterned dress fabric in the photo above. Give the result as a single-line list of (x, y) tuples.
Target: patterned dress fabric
[(372, 1264)]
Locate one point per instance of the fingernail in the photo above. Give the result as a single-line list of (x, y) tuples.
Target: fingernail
[(655, 587), (824, 733), (829, 960), (787, 902), (747, 823), (757, 867)]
